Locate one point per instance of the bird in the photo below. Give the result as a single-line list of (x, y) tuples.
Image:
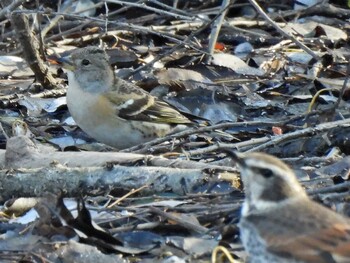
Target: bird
[(112, 110), (279, 223)]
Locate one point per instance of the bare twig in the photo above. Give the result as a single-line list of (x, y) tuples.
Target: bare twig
[(267, 141), (31, 53), (216, 28), (345, 85), (140, 148), (187, 224), (312, 130), (222, 126), (7, 10), (176, 47), (282, 32), (131, 192), (156, 10), (325, 9), (121, 25), (55, 20), (238, 145), (329, 189)]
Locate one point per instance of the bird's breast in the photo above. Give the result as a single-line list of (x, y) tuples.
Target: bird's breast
[(97, 116)]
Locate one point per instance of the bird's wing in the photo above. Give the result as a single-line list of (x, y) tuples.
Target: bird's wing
[(132, 103), (327, 245), (321, 239)]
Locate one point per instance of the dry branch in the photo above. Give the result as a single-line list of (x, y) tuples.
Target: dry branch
[(77, 172), (75, 181), (21, 152), (30, 46), (216, 27), (10, 6), (259, 144)]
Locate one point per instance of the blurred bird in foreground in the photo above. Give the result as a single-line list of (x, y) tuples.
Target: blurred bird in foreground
[(279, 223)]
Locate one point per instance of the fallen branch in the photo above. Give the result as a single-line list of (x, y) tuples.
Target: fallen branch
[(76, 181), (21, 152), (275, 140), (34, 172), (30, 46), (267, 141), (12, 6)]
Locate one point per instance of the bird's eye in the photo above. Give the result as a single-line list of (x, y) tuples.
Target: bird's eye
[(266, 173), (85, 62)]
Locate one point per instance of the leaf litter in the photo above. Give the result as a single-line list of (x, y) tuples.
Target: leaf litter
[(260, 90)]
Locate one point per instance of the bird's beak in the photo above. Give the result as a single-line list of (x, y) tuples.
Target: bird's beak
[(66, 63), (236, 156)]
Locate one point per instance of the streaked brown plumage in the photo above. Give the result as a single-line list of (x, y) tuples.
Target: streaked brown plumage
[(280, 223), (112, 110)]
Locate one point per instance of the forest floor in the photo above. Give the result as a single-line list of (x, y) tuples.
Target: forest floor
[(269, 76)]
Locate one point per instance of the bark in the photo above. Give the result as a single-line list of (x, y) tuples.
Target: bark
[(31, 47), (78, 181), (29, 171)]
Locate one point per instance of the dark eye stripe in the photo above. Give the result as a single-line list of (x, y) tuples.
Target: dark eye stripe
[(265, 172), (281, 190)]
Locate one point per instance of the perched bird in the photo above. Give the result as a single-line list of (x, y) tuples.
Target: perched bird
[(112, 110), (279, 223)]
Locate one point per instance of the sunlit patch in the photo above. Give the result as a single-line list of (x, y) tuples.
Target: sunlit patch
[(126, 104)]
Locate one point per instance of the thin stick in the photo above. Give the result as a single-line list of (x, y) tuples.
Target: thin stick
[(155, 10), (282, 32), (128, 26), (216, 28), (7, 10), (267, 141), (187, 224), (292, 135), (133, 191), (329, 189), (345, 85), (147, 145)]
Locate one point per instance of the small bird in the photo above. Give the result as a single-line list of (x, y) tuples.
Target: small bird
[(279, 223), (111, 110)]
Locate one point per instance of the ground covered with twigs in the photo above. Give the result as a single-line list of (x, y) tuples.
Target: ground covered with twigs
[(269, 76)]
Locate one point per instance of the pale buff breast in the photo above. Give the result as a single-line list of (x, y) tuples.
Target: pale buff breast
[(95, 115)]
